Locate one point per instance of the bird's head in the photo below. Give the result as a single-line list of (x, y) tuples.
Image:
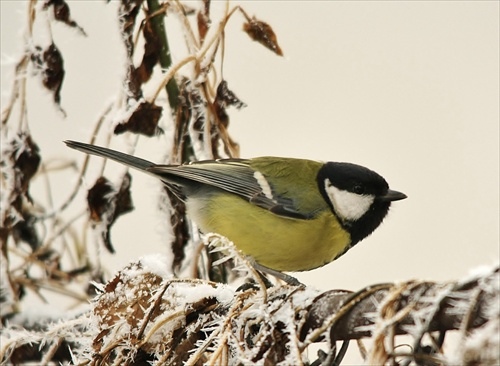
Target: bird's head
[(359, 197)]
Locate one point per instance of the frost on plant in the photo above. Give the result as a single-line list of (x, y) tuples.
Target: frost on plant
[(146, 314), (193, 306)]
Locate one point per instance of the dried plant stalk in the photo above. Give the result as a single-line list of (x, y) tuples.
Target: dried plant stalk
[(143, 314)]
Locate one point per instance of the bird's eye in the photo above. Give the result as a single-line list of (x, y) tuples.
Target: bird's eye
[(358, 189)]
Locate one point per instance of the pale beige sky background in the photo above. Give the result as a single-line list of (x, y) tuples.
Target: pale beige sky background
[(409, 89)]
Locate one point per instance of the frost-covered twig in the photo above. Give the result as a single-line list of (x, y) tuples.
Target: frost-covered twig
[(144, 313)]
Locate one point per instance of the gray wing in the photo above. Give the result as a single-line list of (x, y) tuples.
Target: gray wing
[(231, 175)]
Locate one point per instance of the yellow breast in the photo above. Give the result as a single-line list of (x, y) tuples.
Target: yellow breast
[(277, 242)]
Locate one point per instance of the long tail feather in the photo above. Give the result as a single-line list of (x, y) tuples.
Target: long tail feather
[(126, 159)]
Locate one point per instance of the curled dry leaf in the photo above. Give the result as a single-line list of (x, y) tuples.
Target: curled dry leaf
[(203, 22), (25, 230), (133, 83), (31, 352), (62, 13), (19, 163), (51, 64), (140, 75), (144, 120), (152, 49), (98, 198), (24, 155), (180, 229), (263, 33), (125, 299), (127, 13), (142, 307), (106, 205), (225, 98)]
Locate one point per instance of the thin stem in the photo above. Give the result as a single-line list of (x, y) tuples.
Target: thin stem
[(165, 59)]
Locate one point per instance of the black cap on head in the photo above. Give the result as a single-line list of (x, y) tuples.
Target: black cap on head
[(354, 178)]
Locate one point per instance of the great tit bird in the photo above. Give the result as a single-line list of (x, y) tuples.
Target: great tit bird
[(285, 214)]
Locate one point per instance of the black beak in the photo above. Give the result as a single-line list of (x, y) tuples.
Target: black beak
[(392, 196)]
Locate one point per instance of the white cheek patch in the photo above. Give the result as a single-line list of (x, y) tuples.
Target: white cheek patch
[(264, 185), (349, 206)]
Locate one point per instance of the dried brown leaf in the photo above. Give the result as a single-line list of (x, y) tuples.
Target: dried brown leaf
[(223, 99), (180, 229), (263, 33), (142, 299), (106, 205), (31, 352), (19, 163), (127, 13), (51, 65), (24, 157), (143, 121), (99, 198), (62, 13), (133, 83), (117, 304), (226, 97), (25, 230), (203, 22), (152, 50), (123, 198)]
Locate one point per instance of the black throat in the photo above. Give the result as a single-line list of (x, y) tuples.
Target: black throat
[(363, 227)]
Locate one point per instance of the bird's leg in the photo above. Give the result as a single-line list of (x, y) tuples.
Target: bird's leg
[(282, 276)]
